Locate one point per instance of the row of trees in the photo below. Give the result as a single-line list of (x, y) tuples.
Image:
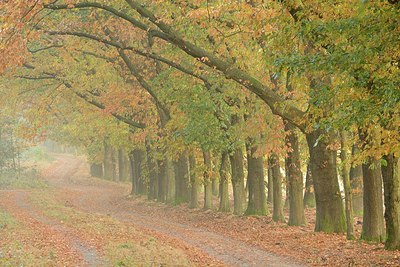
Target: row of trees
[(194, 90)]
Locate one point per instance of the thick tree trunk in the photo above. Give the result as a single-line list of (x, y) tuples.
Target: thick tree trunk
[(373, 221), (182, 179), (309, 196), (224, 183), (208, 197), (330, 214), (277, 214), (295, 179), (194, 183), (96, 170), (346, 184), (239, 194), (391, 181), (257, 203), (270, 198), (356, 178)]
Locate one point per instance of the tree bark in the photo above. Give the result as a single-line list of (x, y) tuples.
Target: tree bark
[(224, 183), (356, 178), (330, 214), (239, 194), (277, 214), (373, 220), (257, 202), (346, 184), (208, 197), (270, 198), (295, 178), (194, 183), (108, 162), (309, 196), (153, 173), (391, 181), (120, 165), (96, 170), (182, 179)]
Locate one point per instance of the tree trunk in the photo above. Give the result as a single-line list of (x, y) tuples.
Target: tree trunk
[(270, 198), (373, 221), (153, 173), (277, 214), (356, 178), (257, 204), (170, 181), (295, 179), (134, 173), (208, 197), (121, 166), (330, 214), (309, 196), (224, 183), (114, 164), (96, 170), (215, 178), (141, 185), (108, 162), (391, 181), (181, 179), (346, 184), (194, 183), (239, 195), (162, 181)]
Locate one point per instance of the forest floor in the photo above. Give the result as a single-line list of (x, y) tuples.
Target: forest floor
[(78, 220)]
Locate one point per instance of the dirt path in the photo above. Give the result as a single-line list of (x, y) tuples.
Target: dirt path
[(92, 195)]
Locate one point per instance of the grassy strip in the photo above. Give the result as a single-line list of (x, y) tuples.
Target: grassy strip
[(15, 249), (120, 244), (28, 179)]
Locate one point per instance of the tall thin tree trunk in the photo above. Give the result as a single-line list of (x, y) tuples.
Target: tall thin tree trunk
[(224, 183), (208, 197), (277, 214), (194, 183), (356, 178), (270, 198), (121, 166), (309, 196), (346, 184)]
